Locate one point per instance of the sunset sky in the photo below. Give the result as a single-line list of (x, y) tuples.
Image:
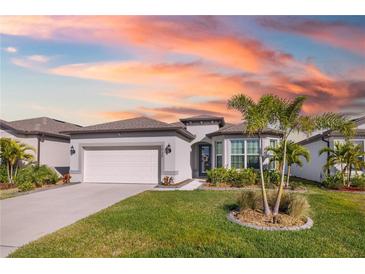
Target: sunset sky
[(89, 70)]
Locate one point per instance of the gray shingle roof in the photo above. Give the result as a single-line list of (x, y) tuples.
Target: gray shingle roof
[(40, 125), (230, 129), (204, 118), (330, 133), (178, 124), (132, 125)]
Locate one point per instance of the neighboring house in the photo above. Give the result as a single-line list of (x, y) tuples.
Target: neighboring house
[(314, 169), (52, 148), (144, 150)]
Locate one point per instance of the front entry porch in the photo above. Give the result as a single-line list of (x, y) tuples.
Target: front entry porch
[(201, 160)]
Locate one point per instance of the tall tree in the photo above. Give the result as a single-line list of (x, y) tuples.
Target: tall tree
[(258, 117)]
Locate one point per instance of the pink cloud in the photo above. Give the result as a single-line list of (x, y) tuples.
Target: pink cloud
[(194, 37), (172, 85), (336, 34)]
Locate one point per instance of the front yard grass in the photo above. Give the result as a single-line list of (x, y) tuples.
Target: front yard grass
[(194, 224), (8, 193)]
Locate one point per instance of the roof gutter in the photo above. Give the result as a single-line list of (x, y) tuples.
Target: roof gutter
[(33, 132), (176, 129)]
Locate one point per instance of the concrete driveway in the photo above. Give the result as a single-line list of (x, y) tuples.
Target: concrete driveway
[(26, 218)]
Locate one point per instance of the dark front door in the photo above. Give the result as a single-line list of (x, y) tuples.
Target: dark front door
[(204, 159)]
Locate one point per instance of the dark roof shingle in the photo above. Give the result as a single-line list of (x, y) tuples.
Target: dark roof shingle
[(132, 125), (40, 125), (230, 129), (204, 117)]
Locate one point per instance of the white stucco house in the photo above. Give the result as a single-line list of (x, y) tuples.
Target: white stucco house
[(314, 169), (52, 148), (143, 150)]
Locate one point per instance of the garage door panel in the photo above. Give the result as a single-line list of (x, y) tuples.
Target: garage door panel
[(121, 166)]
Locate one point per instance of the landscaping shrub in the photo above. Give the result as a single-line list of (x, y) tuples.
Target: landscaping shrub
[(247, 177), (232, 176), (26, 186), (249, 200), (333, 181), (358, 181), (298, 207), (272, 177), (46, 175), (216, 175), (3, 174), (36, 175), (25, 175)]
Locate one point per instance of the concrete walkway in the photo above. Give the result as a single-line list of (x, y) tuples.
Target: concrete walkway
[(195, 184), (28, 217)]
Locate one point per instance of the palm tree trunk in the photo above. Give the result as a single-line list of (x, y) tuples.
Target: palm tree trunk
[(349, 176), (16, 171), (8, 172), (280, 190), (343, 175), (267, 210), (287, 178), (11, 173)]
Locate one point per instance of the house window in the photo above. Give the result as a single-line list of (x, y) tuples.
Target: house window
[(253, 153), (273, 143), (237, 154), (218, 154)]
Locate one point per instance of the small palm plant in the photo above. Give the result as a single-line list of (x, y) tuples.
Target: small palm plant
[(347, 156), (295, 153), (13, 153)]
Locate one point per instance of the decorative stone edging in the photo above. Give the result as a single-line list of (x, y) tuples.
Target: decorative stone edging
[(203, 187), (307, 225)]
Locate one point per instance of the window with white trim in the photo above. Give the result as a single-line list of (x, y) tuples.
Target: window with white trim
[(237, 153), (273, 143), (218, 154), (253, 154)]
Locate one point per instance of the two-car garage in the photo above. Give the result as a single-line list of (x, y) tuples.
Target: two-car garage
[(133, 151), (131, 165)]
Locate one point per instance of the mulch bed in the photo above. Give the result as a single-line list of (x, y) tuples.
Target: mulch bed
[(258, 218), (349, 190), (4, 186)]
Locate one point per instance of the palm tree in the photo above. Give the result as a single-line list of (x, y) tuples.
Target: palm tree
[(356, 160), (258, 117), (348, 156), (336, 156), (276, 155), (295, 153), (13, 153), (288, 118)]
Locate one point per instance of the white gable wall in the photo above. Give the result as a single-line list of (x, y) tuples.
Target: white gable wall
[(314, 169)]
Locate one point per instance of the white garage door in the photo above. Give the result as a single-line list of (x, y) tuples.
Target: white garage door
[(133, 166)]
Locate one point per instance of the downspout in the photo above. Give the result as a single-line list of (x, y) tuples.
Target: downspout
[(38, 150), (328, 154)]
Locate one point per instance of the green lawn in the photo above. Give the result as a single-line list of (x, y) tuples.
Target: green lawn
[(8, 193), (194, 224)]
